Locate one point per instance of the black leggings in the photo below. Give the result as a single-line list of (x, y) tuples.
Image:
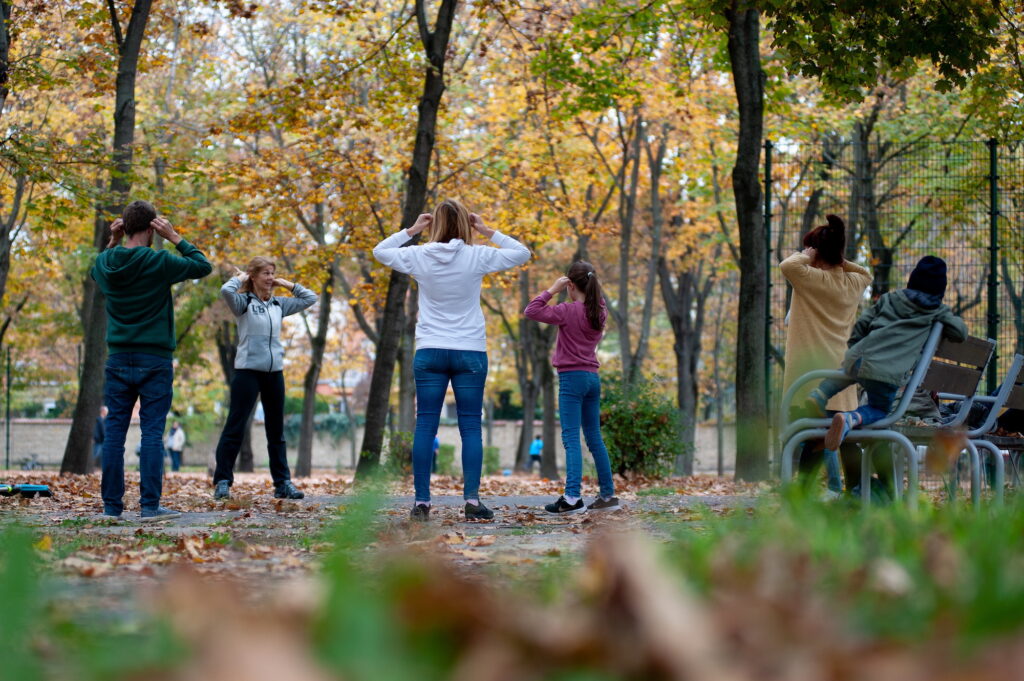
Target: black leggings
[(246, 386)]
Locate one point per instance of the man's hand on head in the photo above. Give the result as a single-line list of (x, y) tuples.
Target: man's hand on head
[(163, 227), (116, 232)]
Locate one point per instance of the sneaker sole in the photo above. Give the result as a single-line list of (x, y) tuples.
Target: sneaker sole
[(604, 509), (572, 511), (159, 518), (833, 438)]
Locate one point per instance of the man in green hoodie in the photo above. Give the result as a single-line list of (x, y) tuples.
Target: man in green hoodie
[(136, 281)]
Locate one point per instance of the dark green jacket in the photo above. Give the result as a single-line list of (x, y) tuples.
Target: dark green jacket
[(887, 340), (137, 284)]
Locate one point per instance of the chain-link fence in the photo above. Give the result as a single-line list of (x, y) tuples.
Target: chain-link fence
[(962, 201)]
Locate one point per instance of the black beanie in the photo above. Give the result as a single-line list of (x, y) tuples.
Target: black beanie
[(929, 276)]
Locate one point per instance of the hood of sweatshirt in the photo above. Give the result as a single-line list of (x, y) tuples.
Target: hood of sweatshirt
[(926, 301), (123, 267), (443, 253)]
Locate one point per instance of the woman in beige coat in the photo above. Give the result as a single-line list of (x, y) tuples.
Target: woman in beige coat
[(827, 293)]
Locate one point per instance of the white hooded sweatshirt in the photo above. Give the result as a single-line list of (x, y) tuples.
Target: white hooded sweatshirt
[(449, 276)]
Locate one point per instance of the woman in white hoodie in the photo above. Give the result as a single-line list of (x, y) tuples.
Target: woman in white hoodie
[(451, 343)]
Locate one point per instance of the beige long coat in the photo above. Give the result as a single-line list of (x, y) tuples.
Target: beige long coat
[(823, 310)]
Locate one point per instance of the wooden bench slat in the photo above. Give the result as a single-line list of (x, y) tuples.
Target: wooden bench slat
[(950, 378), (973, 351), (1016, 398)]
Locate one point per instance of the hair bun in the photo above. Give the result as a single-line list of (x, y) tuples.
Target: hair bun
[(835, 222)]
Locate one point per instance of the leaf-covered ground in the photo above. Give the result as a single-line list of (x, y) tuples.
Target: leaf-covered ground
[(252, 533)]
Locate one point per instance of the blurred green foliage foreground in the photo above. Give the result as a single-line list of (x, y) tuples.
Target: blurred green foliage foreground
[(788, 590)]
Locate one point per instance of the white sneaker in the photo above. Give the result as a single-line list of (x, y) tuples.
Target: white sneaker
[(831, 495)]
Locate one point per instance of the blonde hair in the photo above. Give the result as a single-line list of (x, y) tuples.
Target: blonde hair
[(255, 266), (451, 221)]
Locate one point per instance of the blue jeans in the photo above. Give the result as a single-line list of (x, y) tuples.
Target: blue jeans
[(880, 398), (579, 404), (467, 371), (132, 376)]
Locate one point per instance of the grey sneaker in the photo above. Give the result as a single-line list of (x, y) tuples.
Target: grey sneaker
[(158, 514), (286, 490), (108, 518), (602, 504), (222, 490)]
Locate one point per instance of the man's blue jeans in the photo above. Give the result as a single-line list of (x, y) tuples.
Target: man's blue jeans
[(132, 376), (579, 404), (467, 372)]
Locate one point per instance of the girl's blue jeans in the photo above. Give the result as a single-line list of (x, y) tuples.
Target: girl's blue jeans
[(466, 370), (579, 405)]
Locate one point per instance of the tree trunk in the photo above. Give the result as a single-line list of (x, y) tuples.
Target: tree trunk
[(78, 450), (435, 43), (317, 345), (5, 51), (548, 462), (751, 398), (406, 374)]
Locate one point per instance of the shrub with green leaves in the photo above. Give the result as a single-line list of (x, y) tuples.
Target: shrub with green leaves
[(641, 428), (398, 463), (492, 460), (446, 460)]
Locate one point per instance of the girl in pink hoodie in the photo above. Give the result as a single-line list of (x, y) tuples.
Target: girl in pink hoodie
[(580, 327)]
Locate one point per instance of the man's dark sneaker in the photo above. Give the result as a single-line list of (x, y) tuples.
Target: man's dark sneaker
[(286, 490), (420, 512), (109, 518), (222, 490), (478, 511), (159, 514), (562, 506), (602, 504)]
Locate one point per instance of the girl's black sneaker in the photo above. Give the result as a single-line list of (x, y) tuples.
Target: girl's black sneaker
[(478, 511), (420, 512), (562, 507), (609, 504)]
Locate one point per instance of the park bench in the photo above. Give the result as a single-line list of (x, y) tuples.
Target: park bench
[(952, 370), (1010, 395)]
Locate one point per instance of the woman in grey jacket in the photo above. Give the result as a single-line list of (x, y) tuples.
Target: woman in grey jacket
[(259, 363)]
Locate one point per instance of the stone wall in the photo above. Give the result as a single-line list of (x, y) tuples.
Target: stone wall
[(46, 439)]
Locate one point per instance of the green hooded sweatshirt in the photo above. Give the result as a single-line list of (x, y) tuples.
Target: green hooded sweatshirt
[(887, 340), (137, 285)]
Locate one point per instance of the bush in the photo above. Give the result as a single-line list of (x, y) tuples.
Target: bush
[(641, 428), (335, 426), (492, 460), (446, 460), (398, 463)]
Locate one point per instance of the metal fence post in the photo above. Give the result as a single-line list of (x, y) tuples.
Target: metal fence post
[(993, 260), (768, 291)]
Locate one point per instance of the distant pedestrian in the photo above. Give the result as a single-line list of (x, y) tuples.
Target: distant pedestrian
[(98, 434), (451, 338), (437, 448), (536, 447), (174, 443), (580, 327), (259, 370), (136, 281)]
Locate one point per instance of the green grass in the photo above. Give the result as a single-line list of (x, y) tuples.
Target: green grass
[(945, 576), (656, 492), (220, 538)]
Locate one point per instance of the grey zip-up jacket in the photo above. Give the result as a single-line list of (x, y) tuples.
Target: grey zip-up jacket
[(259, 324)]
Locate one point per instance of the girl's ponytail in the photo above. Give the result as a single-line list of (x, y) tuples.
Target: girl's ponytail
[(584, 278)]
